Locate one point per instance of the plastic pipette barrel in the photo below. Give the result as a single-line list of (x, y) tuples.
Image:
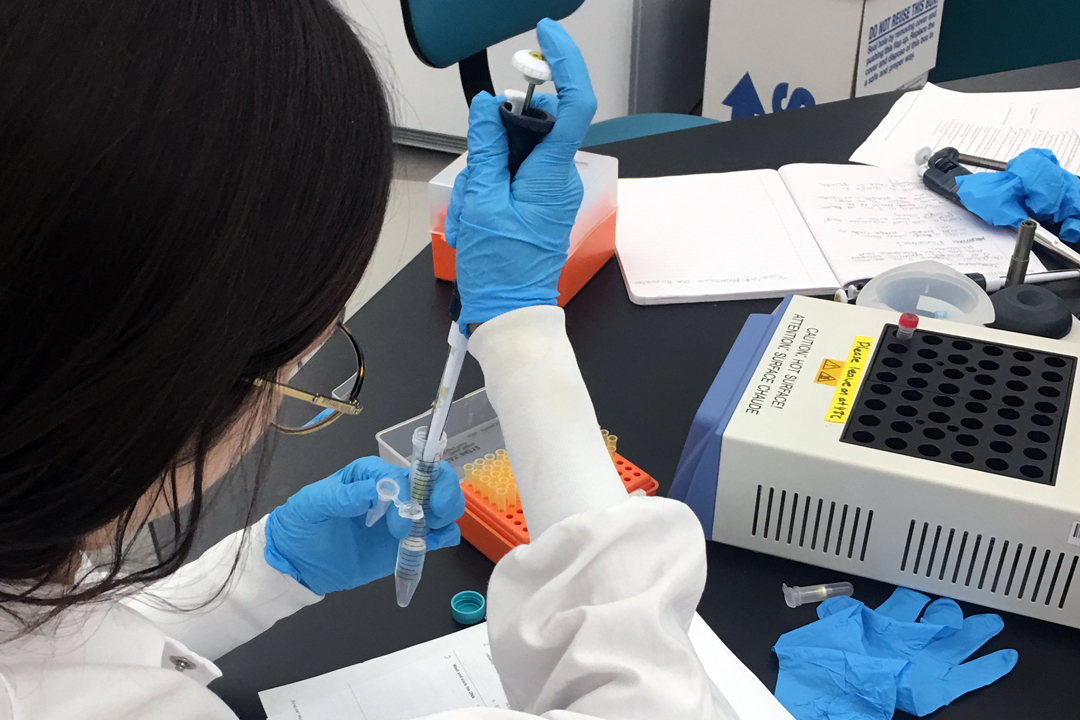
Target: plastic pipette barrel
[(524, 132), (411, 551)]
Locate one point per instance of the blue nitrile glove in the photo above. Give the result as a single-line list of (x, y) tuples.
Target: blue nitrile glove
[(319, 537), (1033, 185), (860, 663), (512, 238)]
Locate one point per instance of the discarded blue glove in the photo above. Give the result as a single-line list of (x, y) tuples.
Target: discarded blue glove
[(1033, 185), (319, 536), (856, 663), (512, 238)]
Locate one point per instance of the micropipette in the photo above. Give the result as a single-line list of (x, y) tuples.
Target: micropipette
[(525, 128), (428, 445)]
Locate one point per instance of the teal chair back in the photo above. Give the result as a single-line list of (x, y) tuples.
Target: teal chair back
[(979, 37), (444, 32)]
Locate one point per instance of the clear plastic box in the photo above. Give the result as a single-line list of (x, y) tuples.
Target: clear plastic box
[(592, 239), (472, 430), (599, 176)]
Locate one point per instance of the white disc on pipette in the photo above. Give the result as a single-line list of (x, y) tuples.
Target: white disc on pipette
[(532, 65), (923, 156)]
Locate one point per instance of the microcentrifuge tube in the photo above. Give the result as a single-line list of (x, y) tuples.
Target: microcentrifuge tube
[(388, 492), (796, 596), (906, 327)]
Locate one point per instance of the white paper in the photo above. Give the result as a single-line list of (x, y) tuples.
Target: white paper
[(898, 44), (457, 672), (998, 126), (729, 236), (867, 220)]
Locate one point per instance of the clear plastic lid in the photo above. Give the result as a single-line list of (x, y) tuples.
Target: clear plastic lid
[(599, 176)]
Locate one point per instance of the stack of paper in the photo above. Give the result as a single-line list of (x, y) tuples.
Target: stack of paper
[(998, 126), (456, 672)]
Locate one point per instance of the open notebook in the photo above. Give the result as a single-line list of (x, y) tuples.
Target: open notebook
[(805, 229)]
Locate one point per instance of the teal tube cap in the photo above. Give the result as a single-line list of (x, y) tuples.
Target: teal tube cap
[(468, 607)]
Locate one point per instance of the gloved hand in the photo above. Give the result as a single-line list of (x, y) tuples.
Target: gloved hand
[(319, 537), (860, 663), (512, 238), (1034, 185)]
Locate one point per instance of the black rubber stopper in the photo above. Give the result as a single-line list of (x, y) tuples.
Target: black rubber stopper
[(524, 132), (1031, 309)]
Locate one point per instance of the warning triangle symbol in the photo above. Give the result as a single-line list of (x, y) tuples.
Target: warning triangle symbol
[(824, 377), (831, 365)]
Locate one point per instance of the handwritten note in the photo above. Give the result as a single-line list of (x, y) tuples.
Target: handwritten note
[(848, 382), (867, 220)]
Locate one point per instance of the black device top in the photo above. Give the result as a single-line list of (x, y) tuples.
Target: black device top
[(986, 406)]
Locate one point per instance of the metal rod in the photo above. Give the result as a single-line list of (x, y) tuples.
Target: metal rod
[(1025, 237), (528, 98), (981, 162)]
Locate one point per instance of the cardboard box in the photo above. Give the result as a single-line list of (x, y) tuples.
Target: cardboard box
[(768, 56)]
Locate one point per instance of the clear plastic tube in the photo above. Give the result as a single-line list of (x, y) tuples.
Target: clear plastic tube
[(796, 596), (411, 551), (387, 489)]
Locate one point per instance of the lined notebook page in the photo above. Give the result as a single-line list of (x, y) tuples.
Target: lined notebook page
[(867, 220), (725, 236)]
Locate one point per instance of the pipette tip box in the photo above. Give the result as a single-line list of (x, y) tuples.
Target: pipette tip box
[(592, 239), (473, 431)]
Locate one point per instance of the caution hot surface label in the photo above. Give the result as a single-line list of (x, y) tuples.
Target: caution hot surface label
[(828, 373), (847, 378)]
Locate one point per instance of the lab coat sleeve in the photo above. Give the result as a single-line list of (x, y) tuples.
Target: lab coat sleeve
[(591, 618), (560, 462), (254, 598)]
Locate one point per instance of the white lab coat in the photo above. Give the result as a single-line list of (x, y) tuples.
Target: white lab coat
[(588, 621)]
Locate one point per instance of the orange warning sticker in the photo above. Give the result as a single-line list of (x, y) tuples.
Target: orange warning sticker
[(829, 372), (848, 383)]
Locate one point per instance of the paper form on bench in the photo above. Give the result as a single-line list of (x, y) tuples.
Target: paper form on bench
[(998, 126), (457, 672)]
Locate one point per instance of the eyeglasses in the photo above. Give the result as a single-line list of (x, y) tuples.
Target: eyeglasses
[(297, 414)]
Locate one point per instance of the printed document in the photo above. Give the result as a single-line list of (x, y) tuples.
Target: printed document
[(998, 126), (456, 672)]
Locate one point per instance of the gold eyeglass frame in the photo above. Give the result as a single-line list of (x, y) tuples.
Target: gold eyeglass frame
[(349, 406)]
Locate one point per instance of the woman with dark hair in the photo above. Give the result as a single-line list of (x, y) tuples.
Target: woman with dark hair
[(189, 192)]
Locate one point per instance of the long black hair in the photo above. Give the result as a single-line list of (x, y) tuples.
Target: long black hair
[(189, 192)]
